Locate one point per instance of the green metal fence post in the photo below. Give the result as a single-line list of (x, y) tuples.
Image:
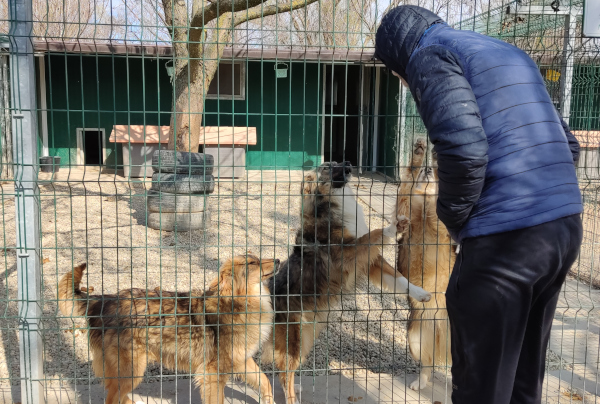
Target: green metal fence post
[(27, 200)]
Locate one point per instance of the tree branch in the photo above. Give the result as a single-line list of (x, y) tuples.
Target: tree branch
[(204, 15), (260, 11), (176, 16)]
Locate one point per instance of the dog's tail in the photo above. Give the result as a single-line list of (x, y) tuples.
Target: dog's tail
[(71, 300)]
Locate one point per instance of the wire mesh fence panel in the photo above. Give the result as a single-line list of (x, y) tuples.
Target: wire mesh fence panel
[(207, 200)]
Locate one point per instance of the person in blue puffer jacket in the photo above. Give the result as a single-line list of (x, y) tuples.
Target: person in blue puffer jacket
[(508, 194)]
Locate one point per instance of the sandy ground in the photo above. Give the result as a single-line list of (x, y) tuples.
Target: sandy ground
[(103, 224)]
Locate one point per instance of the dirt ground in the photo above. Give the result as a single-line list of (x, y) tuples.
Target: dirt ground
[(103, 224)]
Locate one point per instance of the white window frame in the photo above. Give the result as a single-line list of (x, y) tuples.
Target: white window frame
[(240, 97), (80, 156)]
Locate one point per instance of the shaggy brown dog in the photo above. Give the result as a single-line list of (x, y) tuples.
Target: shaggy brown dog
[(333, 248), (211, 334), (426, 258)]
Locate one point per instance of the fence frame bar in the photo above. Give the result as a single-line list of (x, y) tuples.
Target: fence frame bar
[(27, 201)]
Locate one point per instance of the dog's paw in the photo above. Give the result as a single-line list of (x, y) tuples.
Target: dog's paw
[(398, 227), (419, 294), (390, 231), (295, 400), (402, 224), (420, 146), (420, 383), (297, 392)]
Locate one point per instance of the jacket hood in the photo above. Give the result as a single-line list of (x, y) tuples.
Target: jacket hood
[(399, 34)]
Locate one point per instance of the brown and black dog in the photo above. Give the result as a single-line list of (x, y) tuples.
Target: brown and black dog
[(211, 334), (426, 257), (333, 249)]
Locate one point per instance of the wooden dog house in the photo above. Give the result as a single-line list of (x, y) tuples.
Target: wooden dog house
[(226, 143)]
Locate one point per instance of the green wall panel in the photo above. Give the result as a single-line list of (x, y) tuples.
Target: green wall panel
[(99, 91), (285, 112)]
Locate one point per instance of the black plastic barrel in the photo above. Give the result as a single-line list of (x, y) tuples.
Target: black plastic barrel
[(49, 164)]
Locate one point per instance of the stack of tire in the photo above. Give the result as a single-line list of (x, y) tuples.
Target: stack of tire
[(181, 183)]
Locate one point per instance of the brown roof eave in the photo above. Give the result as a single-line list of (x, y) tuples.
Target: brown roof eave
[(162, 50)]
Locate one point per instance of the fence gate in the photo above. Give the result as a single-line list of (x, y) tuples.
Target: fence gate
[(94, 98)]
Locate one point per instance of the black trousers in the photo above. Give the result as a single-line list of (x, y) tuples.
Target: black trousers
[(501, 301)]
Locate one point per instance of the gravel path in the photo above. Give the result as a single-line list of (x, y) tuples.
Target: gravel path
[(103, 224)]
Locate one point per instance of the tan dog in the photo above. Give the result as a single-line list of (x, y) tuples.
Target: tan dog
[(333, 249), (211, 334), (426, 258)]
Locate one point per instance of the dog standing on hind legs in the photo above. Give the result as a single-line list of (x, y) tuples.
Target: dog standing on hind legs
[(333, 248), (426, 257)]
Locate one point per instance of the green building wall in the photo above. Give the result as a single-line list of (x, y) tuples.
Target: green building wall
[(99, 91), (286, 112)]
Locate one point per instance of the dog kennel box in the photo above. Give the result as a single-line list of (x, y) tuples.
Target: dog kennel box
[(227, 145), (137, 159), (230, 160)]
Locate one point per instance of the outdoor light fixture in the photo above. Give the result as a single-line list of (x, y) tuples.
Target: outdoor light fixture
[(281, 72), (170, 69)]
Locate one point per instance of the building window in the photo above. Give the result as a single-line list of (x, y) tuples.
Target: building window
[(229, 82)]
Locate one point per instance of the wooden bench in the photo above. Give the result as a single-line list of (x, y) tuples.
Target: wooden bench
[(226, 143)]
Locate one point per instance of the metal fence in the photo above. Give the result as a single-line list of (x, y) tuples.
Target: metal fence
[(87, 90)]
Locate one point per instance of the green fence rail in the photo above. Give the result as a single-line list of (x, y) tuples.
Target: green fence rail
[(91, 90)]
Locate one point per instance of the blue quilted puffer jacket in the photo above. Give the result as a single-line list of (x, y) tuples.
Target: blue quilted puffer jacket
[(505, 157)]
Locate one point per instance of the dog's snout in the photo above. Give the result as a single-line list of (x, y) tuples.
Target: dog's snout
[(277, 262)]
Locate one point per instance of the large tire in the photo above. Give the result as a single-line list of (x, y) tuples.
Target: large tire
[(170, 203), (183, 183), (170, 161), (178, 221)]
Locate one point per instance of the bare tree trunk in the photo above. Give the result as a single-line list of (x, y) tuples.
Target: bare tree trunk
[(191, 85), (195, 67), (186, 119), (196, 61)]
